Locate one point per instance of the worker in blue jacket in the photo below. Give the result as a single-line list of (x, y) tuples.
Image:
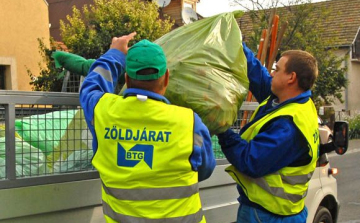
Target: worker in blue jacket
[(150, 154), (274, 156)]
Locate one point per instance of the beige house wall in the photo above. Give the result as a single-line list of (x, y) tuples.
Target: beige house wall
[(351, 95), (22, 22), (354, 86)]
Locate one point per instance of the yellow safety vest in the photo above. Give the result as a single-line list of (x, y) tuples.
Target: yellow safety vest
[(284, 191), (143, 153)]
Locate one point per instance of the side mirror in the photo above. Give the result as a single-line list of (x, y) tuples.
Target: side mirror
[(341, 137)]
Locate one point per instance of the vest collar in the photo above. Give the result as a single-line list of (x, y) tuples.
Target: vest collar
[(149, 94), (268, 107)]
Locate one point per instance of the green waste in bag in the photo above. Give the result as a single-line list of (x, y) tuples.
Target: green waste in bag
[(208, 71), (76, 64), (44, 131), (29, 160), (72, 62), (76, 137)]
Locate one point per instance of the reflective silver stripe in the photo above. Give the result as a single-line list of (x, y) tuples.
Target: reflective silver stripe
[(152, 193), (105, 73), (198, 140), (192, 218), (279, 191), (292, 180)]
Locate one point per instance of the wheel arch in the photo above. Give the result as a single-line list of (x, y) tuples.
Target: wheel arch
[(331, 204)]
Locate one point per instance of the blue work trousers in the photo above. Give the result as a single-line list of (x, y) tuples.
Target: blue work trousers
[(247, 214)]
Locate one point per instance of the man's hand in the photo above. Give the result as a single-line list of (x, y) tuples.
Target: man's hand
[(121, 43)]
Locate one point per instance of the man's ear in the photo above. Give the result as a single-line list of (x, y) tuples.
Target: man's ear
[(167, 76), (293, 78), (127, 81)]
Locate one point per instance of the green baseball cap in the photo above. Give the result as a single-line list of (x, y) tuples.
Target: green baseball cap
[(143, 55)]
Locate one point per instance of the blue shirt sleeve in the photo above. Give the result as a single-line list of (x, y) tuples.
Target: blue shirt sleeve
[(202, 159), (259, 77), (102, 78), (269, 151)]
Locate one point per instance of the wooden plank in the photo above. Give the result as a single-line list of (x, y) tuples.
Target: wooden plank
[(24, 201), (218, 196)]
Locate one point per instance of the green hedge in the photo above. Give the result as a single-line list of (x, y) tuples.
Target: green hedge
[(354, 126)]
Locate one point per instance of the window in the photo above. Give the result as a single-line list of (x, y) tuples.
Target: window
[(355, 51), (2, 77)]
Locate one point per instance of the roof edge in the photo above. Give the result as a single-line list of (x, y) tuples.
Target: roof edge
[(357, 33), (339, 46)]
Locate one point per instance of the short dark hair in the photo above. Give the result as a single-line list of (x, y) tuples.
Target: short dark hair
[(304, 65), (149, 85), (147, 71)]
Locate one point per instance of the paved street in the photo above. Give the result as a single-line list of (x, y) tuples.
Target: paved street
[(348, 180)]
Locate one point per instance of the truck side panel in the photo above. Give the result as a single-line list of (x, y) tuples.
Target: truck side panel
[(40, 180)]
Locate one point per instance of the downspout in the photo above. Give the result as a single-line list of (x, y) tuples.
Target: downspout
[(347, 78)]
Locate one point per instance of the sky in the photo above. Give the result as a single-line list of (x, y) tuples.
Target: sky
[(212, 7)]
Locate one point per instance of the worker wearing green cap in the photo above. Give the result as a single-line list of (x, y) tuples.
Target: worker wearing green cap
[(150, 154)]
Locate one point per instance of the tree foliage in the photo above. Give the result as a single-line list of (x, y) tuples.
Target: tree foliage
[(49, 78), (304, 32), (88, 33)]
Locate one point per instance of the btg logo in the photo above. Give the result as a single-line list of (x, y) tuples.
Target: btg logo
[(134, 155)]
